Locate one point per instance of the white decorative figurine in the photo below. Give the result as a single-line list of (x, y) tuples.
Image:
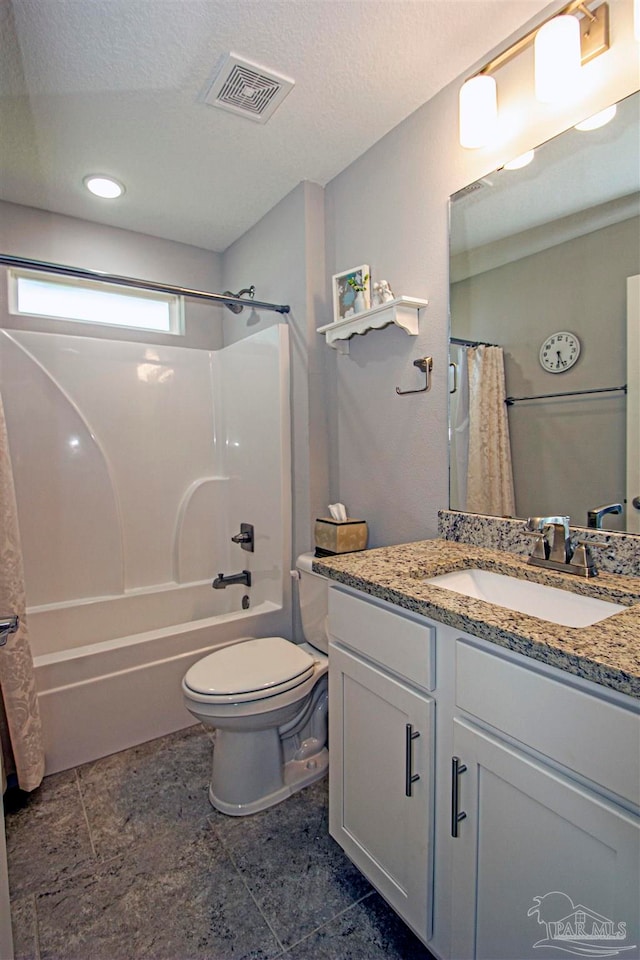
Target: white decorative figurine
[(382, 293)]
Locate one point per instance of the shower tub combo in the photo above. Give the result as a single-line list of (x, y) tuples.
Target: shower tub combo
[(134, 466)]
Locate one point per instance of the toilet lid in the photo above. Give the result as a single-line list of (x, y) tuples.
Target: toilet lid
[(251, 667)]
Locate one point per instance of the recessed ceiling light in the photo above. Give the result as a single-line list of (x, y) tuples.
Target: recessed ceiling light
[(105, 187), (598, 119), (518, 162)]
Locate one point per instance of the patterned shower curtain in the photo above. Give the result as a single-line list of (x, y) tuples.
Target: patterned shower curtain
[(20, 729), (490, 474), (458, 428)]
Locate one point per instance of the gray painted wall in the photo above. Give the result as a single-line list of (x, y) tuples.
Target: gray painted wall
[(41, 235), (283, 255)]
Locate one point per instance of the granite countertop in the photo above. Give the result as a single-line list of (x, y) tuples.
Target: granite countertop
[(607, 653)]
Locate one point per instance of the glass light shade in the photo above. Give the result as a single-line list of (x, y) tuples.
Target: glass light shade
[(478, 106), (598, 119), (557, 59), (105, 187), (519, 162)]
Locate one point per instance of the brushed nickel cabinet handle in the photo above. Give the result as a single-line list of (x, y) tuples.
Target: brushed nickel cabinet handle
[(409, 776), (456, 816)]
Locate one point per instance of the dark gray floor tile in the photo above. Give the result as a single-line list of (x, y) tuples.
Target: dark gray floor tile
[(298, 875), (176, 880), (151, 793), (47, 837), (25, 929), (370, 930), (198, 910)]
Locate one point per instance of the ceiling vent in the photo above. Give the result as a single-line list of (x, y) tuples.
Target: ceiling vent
[(248, 89)]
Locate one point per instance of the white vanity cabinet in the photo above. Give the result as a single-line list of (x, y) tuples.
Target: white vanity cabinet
[(532, 837), (381, 758), (541, 853), (537, 835)]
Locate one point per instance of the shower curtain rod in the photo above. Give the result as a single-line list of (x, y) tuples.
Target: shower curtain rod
[(569, 393), (59, 268), (471, 343)]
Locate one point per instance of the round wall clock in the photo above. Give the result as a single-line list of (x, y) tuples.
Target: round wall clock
[(559, 352)]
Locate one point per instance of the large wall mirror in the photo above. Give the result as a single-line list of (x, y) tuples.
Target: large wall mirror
[(545, 343)]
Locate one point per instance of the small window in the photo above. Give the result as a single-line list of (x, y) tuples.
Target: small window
[(88, 301)]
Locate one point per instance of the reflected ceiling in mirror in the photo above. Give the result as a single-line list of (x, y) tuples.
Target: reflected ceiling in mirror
[(537, 253)]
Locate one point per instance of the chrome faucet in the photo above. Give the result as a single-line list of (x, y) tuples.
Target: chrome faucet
[(222, 581), (594, 517), (556, 555), (558, 548)]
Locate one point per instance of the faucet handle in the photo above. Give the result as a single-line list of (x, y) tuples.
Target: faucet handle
[(582, 556), (541, 546), (583, 542)]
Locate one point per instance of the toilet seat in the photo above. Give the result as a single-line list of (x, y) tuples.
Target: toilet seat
[(250, 670)]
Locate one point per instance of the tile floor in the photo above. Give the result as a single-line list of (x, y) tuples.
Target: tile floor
[(124, 858)]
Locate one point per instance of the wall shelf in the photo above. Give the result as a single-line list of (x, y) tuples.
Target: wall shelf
[(403, 311)]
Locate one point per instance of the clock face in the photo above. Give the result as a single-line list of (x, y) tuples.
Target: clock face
[(559, 352)]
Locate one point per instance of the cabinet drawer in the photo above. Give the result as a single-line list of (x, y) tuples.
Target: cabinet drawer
[(591, 736), (394, 640)]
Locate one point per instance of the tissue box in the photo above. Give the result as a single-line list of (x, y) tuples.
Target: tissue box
[(339, 536)]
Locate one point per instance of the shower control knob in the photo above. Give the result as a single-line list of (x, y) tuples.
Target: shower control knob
[(636, 503), (245, 537)]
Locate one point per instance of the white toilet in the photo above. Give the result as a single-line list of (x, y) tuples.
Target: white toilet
[(267, 699)]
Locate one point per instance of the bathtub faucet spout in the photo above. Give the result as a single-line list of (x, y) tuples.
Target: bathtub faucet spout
[(221, 581)]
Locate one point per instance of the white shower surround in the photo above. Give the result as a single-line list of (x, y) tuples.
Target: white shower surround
[(134, 465)]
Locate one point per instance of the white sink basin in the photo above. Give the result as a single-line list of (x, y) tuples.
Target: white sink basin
[(525, 596)]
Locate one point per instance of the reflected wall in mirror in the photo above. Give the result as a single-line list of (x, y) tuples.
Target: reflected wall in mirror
[(550, 248)]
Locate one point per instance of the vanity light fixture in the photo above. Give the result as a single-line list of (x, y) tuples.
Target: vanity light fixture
[(105, 187), (598, 119), (562, 44), (478, 112), (557, 59)]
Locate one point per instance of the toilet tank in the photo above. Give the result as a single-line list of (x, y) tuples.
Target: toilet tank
[(313, 594)]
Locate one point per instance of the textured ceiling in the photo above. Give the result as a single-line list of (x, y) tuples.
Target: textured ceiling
[(115, 87)]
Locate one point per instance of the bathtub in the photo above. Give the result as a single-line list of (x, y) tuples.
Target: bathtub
[(118, 689), (134, 467)]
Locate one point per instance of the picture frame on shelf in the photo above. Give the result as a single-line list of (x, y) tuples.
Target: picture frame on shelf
[(351, 292)]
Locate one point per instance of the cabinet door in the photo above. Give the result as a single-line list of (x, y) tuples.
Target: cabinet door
[(386, 833), (541, 865)]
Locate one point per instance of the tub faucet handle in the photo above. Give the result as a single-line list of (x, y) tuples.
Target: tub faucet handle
[(245, 537)]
